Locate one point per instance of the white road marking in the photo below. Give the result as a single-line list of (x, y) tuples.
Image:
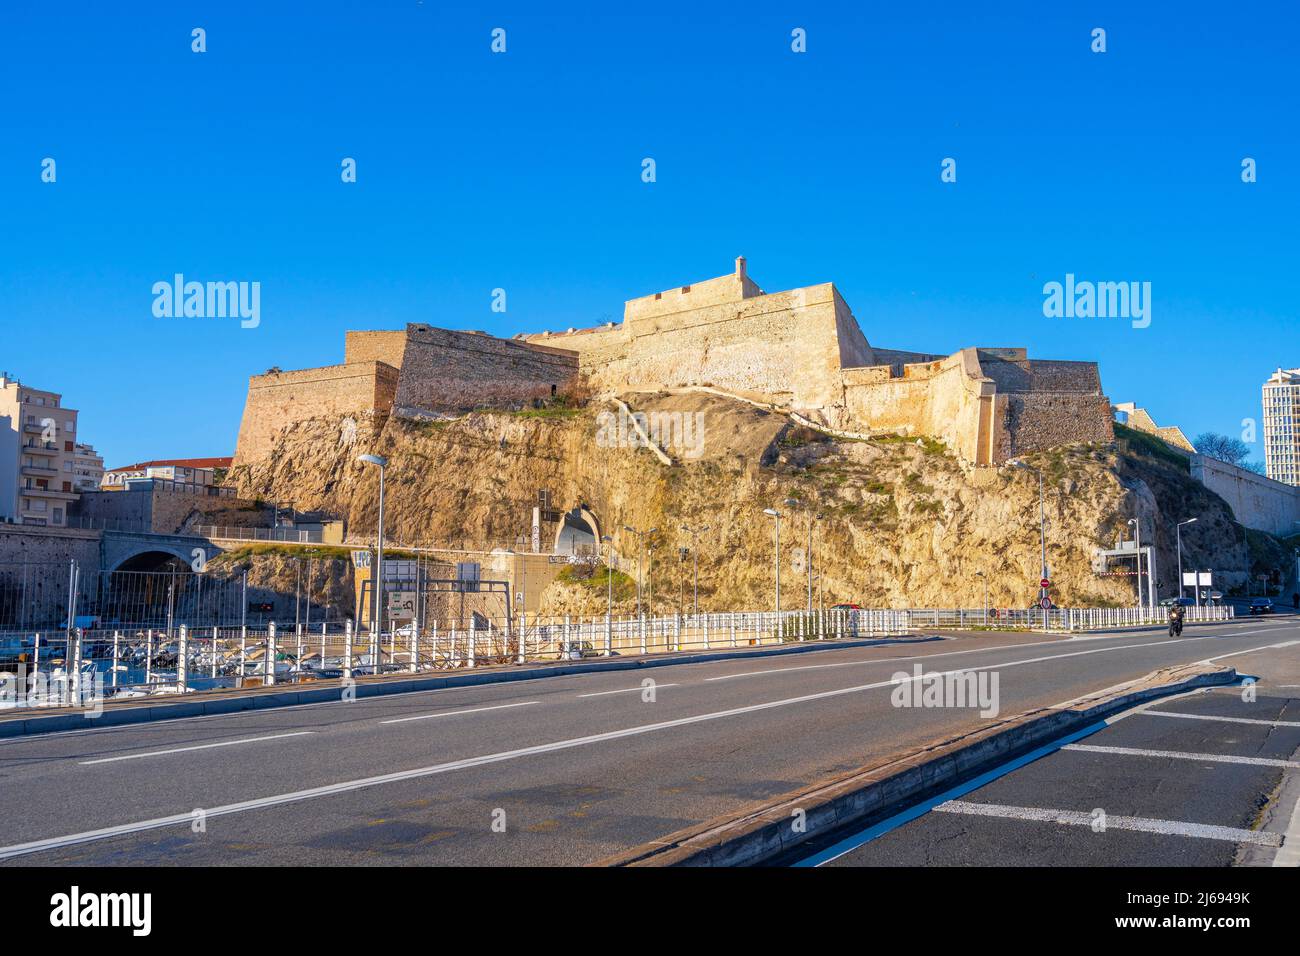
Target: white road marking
[(457, 713), (624, 690), (1004, 647), (1203, 831), (1226, 720), (181, 750), (1219, 657), (1180, 755)]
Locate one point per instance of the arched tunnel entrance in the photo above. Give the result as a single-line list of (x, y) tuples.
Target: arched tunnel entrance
[(152, 588), (578, 533)]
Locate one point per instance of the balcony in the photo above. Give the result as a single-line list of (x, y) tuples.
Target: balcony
[(49, 493), (41, 448), (40, 471)]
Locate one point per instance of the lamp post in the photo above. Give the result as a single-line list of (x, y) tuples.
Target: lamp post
[(776, 516), (1137, 537), (1042, 514), (640, 537), (1178, 535), (609, 575), (377, 572), (650, 596), (982, 576), (695, 554)]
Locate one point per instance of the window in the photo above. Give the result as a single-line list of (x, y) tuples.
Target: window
[(58, 516), (69, 426)]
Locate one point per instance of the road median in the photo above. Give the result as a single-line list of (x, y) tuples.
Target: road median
[(764, 832)]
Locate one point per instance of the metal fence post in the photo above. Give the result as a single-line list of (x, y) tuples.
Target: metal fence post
[(523, 636), (75, 672), (268, 671), (182, 659), (609, 635), (642, 627), (732, 619), (706, 631), (117, 655), (347, 650), (415, 647)]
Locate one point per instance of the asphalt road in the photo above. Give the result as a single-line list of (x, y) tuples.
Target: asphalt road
[(564, 770), (1210, 778)]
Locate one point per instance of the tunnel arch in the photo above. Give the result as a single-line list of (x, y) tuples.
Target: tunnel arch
[(578, 532)]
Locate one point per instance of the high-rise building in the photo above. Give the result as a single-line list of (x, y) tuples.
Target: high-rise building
[(87, 467), (1282, 426), (38, 439)]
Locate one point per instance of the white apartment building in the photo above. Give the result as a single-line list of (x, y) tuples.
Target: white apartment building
[(38, 439), (87, 467), (1282, 426)]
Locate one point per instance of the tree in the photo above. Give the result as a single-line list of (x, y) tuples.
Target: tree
[(1213, 445)]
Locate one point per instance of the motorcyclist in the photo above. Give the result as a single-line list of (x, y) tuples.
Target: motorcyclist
[(1175, 619)]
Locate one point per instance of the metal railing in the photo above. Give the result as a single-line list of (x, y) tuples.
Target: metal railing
[(76, 666), (1061, 618)]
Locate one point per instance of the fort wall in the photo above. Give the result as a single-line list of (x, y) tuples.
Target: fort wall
[(454, 372), (384, 345), (360, 390)]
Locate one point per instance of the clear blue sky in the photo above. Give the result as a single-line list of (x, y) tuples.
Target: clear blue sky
[(522, 171)]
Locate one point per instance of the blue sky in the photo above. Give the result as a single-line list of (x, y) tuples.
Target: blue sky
[(522, 171)]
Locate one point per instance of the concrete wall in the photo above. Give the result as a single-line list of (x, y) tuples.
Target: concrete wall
[(453, 372), (362, 390), (56, 546), (168, 512), (1257, 502)]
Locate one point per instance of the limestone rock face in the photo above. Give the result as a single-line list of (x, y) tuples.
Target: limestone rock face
[(904, 523)]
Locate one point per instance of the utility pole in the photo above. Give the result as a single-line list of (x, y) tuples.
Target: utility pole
[(695, 552), (1178, 535), (1137, 541)]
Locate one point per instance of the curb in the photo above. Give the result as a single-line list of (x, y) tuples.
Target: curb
[(133, 712), (762, 833)]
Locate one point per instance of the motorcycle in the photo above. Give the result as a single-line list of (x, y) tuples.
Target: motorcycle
[(1175, 624)]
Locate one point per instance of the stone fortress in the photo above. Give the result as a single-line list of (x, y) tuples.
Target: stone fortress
[(799, 351)]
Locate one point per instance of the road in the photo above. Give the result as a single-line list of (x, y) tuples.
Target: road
[(1209, 778), (565, 770)]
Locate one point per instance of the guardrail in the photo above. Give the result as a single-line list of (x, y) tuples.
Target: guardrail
[(122, 663), (1061, 618), (110, 663)]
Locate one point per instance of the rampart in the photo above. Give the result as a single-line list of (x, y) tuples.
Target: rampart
[(363, 391), (800, 350), (453, 372)]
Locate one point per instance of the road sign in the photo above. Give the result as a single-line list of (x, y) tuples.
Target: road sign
[(401, 605), (1044, 583), (1045, 603), (467, 576)]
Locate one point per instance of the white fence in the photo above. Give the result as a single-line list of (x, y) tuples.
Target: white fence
[(64, 668), (1061, 618)]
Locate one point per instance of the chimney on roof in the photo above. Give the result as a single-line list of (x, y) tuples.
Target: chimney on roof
[(740, 267)]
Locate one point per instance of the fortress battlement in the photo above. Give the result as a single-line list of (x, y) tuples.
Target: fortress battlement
[(800, 350)]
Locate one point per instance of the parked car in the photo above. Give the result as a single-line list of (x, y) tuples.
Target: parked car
[(1261, 605), (846, 607), (1171, 601)]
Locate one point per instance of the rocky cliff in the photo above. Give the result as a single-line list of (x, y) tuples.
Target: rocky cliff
[(903, 522)]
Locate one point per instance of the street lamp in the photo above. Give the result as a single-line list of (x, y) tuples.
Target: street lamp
[(640, 536), (776, 516), (980, 574), (609, 576), (376, 572), (650, 596), (695, 552), (1042, 511), (1137, 537), (1178, 535)]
